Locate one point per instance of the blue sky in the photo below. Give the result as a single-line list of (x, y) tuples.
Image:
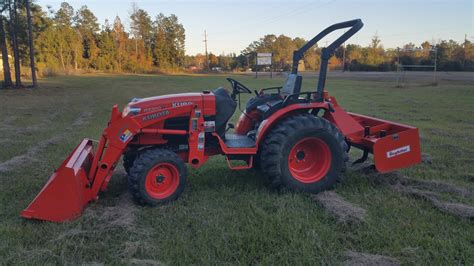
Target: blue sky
[(232, 25)]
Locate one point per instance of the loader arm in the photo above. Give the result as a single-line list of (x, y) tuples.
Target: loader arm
[(85, 173)]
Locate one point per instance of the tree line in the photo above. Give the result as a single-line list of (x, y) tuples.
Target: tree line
[(449, 55), (68, 40)]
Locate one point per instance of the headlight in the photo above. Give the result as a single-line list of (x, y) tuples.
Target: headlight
[(130, 110)]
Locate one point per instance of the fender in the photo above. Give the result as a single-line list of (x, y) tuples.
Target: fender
[(290, 110)]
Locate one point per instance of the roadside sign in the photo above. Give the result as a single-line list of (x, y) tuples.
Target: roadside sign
[(264, 59)]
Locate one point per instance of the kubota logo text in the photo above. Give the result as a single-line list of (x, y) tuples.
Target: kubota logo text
[(179, 104), (398, 151), (155, 115)]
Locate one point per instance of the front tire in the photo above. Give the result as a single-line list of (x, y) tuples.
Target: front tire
[(128, 158), (157, 176), (304, 153)]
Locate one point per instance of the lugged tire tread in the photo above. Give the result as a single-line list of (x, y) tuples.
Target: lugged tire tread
[(272, 146), (142, 164)]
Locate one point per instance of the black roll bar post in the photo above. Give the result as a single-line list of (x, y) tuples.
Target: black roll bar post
[(354, 25)]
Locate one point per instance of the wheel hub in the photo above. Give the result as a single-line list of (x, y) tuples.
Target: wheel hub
[(309, 160), (162, 180), (300, 155), (159, 179)]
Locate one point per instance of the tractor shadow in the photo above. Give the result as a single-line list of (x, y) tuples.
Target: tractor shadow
[(216, 175)]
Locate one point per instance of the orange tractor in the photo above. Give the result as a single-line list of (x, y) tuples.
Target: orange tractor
[(300, 140)]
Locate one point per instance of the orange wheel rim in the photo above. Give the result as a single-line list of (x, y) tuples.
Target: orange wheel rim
[(162, 180), (309, 160)]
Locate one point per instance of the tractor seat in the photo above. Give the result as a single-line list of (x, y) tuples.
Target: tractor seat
[(292, 85), (225, 108)]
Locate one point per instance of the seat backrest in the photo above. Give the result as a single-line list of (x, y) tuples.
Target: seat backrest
[(225, 108), (292, 84)]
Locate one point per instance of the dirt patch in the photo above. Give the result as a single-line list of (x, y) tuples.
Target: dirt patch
[(82, 119), (456, 209), (131, 248), (359, 258), (437, 186), (426, 190), (28, 130), (31, 155), (122, 214), (339, 208), (397, 178)]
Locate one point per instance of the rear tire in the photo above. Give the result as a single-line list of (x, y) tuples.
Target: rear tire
[(157, 176), (304, 153)]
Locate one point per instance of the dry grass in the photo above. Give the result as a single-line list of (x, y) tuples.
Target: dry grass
[(121, 215), (342, 210), (32, 154), (428, 190), (457, 209)]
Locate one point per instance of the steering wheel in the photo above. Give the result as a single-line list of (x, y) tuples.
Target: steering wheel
[(237, 87)]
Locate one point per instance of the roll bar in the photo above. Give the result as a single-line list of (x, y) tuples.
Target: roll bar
[(354, 25)]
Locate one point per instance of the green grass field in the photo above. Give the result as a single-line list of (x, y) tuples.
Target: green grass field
[(227, 217)]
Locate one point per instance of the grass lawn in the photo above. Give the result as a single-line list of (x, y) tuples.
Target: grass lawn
[(229, 216)]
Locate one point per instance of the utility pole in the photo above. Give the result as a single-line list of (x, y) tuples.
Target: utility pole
[(464, 50), (30, 43), (205, 44)]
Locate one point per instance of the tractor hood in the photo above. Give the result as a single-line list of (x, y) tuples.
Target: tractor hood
[(149, 104)]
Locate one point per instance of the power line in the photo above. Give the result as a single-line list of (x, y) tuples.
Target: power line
[(292, 12)]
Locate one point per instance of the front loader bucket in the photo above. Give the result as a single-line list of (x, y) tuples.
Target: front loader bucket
[(67, 191)]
